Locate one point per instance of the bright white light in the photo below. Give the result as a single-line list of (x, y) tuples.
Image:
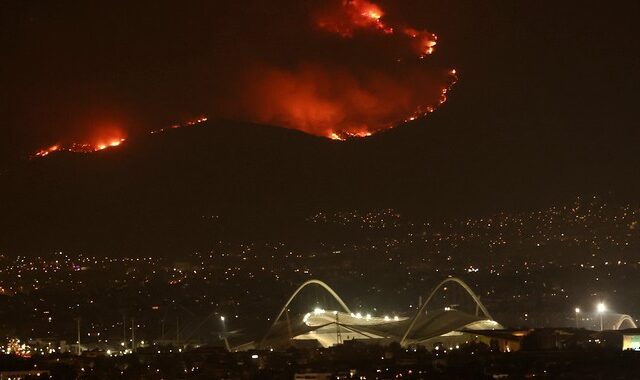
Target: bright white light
[(254, 356), (358, 315), (386, 317), (318, 310), (577, 310), (222, 318), (601, 308), (395, 318), (368, 316)]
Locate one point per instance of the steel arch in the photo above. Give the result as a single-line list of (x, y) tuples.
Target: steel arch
[(435, 290), (622, 319), (293, 296)]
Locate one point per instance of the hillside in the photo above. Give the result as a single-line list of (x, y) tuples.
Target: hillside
[(182, 189)]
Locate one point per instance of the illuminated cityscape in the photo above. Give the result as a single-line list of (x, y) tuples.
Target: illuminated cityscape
[(171, 305), (319, 189)]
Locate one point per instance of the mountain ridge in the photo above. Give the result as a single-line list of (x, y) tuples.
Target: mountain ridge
[(153, 192)]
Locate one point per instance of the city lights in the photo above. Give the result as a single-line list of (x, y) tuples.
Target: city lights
[(601, 308)]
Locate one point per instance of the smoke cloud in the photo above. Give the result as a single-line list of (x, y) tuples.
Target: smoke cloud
[(332, 68), (356, 75)]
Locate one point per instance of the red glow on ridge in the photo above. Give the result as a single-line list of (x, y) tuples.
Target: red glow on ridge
[(111, 138), (103, 137)]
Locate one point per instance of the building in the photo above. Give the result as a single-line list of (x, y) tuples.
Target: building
[(430, 328)]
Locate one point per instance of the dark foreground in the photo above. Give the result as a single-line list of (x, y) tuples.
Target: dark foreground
[(353, 360)]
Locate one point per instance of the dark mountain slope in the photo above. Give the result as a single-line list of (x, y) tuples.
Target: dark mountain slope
[(185, 188)]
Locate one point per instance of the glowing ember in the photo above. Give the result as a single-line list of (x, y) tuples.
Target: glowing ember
[(189, 123), (351, 16), (335, 136), (45, 152), (80, 147), (343, 136), (423, 42), (104, 144)]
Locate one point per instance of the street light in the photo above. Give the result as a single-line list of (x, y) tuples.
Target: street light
[(577, 312), (601, 308), (224, 327), (224, 333)]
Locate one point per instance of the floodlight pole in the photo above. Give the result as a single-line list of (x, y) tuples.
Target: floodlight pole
[(78, 327)]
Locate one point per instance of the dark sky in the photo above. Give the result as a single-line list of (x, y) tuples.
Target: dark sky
[(545, 108), (535, 73)]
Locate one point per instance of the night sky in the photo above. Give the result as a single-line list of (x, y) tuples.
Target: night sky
[(545, 103)]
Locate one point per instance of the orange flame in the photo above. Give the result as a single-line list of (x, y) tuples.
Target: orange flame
[(332, 103), (111, 139), (107, 142), (351, 16)]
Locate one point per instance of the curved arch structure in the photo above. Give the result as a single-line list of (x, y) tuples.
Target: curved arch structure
[(624, 318), (293, 296), (454, 321), (422, 310)]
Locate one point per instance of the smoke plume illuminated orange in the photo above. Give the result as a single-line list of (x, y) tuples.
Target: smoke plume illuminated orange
[(332, 102), (380, 80)]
